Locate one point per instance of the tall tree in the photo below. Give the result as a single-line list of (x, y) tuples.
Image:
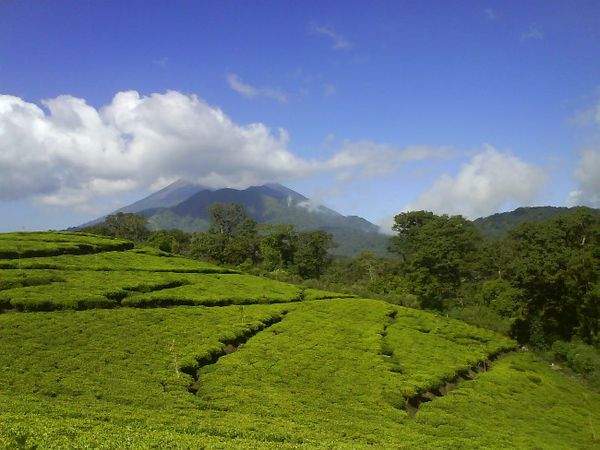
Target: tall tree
[(278, 246), (311, 257), (439, 254), (557, 266), (123, 225), (225, 217), (232, 237)]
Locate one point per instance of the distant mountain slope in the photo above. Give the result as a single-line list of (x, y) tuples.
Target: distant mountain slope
[(497, 225), (274, 203), (185, 206), (168, 196)]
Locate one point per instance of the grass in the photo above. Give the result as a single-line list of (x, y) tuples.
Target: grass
[(331, 373)]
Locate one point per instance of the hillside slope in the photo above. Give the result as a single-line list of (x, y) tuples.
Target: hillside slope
[(184, 206), (498, 225), (274, 203), (246, 362)]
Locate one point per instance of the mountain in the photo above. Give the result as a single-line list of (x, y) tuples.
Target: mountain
[(168, 196), (497, 225), (185, 206)]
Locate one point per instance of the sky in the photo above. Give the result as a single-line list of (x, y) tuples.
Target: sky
[(370, 108)]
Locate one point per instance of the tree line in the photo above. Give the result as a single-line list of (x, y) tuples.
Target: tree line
[(233, 239), (540, 284)]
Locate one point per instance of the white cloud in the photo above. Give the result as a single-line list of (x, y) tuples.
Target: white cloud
[(367, 158), (491, 181), (72, 154), (587, 173), (338, 42), (588, 177), (533, 33), (249, 91)]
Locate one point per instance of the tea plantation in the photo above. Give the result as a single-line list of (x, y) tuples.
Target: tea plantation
[(106, 346)]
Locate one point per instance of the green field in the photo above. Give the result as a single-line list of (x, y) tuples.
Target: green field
[(91, 356)]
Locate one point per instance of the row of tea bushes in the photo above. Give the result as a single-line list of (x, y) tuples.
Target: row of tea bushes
[(29, 245)]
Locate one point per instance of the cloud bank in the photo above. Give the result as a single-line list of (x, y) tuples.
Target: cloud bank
[(588, 178), (488, 183), (70, 153), (587, 173)]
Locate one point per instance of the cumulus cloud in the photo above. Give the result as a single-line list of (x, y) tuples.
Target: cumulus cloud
[(68, 153), (249, 91), (72, 151), (587, 173), (338, 42), (489, 182), (588, 177)]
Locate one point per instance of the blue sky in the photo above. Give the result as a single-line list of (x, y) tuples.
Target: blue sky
[(369, 107)]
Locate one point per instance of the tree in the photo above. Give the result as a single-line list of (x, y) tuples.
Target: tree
[(439, 255), (232, 237), (172, 241), (225, 217), (124, 226), (556, 264), (311, 257), (278, 246)]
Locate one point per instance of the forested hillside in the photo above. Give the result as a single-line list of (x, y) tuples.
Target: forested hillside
[(498, 225)]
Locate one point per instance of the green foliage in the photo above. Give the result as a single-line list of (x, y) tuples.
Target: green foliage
[(277, 246), (501, 297), (332, 373), (85, 289), (32, 244), (428, 351), (212, 290), (231, 239), (141, 259), (439, 254), (582, 358), (555, 265), (520, 403), (482, 316), (311, 257), (170, 241), (124, 226), (497, 226)]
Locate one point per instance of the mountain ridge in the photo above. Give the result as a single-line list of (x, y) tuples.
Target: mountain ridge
[(185, 206)]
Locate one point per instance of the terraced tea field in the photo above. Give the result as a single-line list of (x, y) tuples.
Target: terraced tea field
[(137, 348)]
